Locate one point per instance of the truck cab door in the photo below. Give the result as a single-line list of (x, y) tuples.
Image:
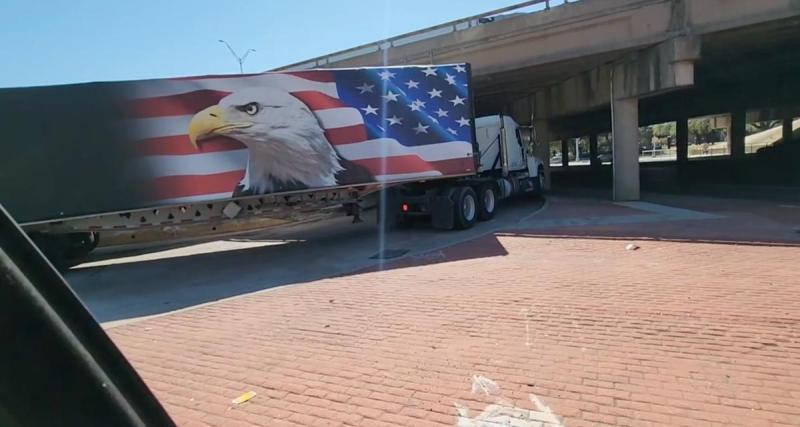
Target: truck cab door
[(516, 160)]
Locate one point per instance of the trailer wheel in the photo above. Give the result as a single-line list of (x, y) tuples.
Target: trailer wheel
[(487, 202), (466, 207)]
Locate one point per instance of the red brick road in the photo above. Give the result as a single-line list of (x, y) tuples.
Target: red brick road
[(674, 333)]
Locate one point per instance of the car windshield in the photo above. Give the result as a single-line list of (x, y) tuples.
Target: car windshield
[(538, 213)]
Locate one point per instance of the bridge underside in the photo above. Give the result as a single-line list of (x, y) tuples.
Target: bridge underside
[(748, 72)]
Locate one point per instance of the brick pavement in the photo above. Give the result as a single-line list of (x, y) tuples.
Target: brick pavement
[(674, 333)]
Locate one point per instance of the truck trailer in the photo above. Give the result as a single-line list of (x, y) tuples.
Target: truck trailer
[(81, 161)]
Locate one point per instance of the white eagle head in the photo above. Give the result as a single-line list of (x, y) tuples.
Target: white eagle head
[(287, 146)]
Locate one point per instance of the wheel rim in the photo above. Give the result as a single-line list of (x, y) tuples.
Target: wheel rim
[(488, 200), (468, 207)]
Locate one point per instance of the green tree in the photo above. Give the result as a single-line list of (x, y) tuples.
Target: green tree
[(662, 130), (701, 128), (645, 133)]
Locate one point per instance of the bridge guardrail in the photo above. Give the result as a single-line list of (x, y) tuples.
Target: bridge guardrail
[(419, 35)]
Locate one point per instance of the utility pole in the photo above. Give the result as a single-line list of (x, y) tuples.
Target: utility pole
[(239, 59)]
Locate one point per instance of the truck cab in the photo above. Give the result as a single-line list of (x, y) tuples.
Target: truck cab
[(503, 154)]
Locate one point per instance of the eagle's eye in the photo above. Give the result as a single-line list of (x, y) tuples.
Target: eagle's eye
[(250, 108)]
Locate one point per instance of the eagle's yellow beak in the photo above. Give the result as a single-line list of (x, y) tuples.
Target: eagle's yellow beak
[(206, 123)]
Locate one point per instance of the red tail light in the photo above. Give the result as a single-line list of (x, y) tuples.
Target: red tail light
[(404, 207)]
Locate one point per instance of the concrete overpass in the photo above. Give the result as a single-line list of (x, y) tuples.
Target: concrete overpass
[(591, 66)]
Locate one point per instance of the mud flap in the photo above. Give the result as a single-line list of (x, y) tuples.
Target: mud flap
[(386, 214), (442, 213)]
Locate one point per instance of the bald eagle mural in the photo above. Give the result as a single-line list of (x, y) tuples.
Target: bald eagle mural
[(125, 146), (287, 148)]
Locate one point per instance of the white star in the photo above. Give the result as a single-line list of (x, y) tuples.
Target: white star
[(460, 68), (430, 71), (416, 105), (370, 110), (412, 84), (435, 93), (457, 100), (462, 122), (450, 79), (386, 75), (365, 88), (420, 128), (389, 97), (441, 113), (394, 120), (452, 131)]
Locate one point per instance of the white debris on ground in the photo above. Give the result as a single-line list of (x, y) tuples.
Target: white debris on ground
[(481, 384), (503, 412)]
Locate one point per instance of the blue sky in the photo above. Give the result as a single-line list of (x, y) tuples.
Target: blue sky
[(58, 41)]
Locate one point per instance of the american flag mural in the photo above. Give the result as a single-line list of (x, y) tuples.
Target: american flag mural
[(388, 124)]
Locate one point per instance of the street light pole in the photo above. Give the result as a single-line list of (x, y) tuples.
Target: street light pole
[(239, 59)]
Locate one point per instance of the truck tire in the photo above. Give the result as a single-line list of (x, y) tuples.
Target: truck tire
[(465, 209), (487, 202), (538, 185)]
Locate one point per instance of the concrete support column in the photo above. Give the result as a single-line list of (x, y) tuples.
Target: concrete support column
[(624, 93), (565, 152), (682, 139), (593, 160), (738, 133), (787, 129), (542, 148), (625, 115)]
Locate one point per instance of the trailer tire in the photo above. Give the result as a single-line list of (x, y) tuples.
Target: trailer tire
[(487, 202), (465, 210)]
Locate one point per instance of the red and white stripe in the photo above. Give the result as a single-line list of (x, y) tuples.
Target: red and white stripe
[(158, 113)]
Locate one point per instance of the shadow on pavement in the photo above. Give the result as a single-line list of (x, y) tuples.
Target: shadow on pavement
[(156, 284), (481, 247), (148, 282)]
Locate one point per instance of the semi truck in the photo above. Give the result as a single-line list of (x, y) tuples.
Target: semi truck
[(83, 161)]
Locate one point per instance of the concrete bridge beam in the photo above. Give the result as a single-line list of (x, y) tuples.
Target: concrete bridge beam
[(662, 68)]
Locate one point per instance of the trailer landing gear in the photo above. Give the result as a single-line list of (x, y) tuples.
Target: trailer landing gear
[(65, 250), (354, 210)]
